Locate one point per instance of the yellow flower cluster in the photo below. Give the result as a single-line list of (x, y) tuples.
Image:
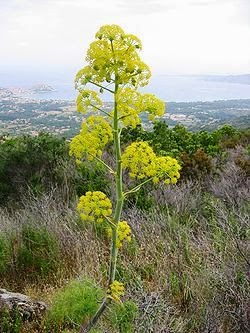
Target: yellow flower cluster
[(152, 105), (93, 206), (95, 133), (123, 233), (130, 103), (116, 290), (166, 168), (142, 162), (114, 55), (139, 158), (88, 100)]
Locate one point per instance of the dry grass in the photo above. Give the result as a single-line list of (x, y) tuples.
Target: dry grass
[(187, 266)]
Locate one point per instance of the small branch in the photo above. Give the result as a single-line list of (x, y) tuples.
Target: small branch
[(103, 163), (137, 188), (125, 116), (109, 221), (101, 110), (112, 48), (100, 86)]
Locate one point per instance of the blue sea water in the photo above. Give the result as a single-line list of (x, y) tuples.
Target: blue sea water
[(169, 88), (192, 88)]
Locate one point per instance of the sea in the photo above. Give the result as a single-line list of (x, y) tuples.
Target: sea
[(170, 88)]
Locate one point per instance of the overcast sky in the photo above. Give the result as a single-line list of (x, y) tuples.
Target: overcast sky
[(179, 36)]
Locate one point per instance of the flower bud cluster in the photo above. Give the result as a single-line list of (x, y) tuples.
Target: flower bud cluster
[(88, 100), (116, 290), (152, 105), (95, 133), (123, 233), (139, 158), (130, 103), (113, 55), (166, 169), (142, 163), (94, 206)]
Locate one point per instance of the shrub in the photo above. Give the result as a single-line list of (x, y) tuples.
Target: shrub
[(38, 253), (196, 165), (91, 178), (28, 161), (76, 302), (122, 317)]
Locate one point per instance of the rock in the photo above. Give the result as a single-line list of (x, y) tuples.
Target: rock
[(25, 306)]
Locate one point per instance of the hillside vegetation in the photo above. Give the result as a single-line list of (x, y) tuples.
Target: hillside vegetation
[(187, 267)]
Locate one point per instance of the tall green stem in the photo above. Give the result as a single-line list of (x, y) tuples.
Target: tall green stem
[(118, 209), (119, 193)]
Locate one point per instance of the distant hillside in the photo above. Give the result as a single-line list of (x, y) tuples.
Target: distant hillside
[(19, 115), (242, 79)]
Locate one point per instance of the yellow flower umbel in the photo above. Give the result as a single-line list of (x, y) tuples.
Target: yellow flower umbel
[(123, 233), (95, 133), (114, 55), (94, 206), (152, 105), (88, 100), (142, 163), (130, 103), (166, 169), (139, 158), (116, 290)]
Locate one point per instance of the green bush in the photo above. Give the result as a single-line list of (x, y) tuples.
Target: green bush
[(122, 316), (196, 165), (91, 177), (32, 162), (76, 302), (38, 253)]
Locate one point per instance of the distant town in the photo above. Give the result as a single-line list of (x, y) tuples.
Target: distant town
[(21, 113)]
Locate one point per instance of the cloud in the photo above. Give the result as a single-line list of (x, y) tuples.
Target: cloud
[(178, 35), (242, 12), (140, 7)]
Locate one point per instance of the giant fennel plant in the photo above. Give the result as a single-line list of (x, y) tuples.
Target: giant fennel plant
[(114, 66)]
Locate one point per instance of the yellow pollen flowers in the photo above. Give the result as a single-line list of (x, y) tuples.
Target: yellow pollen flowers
[(88, 100), (116, 290), (139, 158), (95, 133), (123, 233), (142, 163), (114, 55), (94, 206)]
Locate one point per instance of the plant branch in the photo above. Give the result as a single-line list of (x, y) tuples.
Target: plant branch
[(100, 86), (103, 163), (125, 116), (109, 221), (101, 110), (137, 187)]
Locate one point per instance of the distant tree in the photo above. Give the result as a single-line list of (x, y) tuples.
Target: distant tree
[(29, 161)]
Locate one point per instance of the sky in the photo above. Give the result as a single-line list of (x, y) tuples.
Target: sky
[(178, 36)]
